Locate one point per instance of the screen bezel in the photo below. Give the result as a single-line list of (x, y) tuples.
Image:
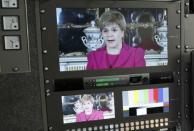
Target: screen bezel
[(49, 36)]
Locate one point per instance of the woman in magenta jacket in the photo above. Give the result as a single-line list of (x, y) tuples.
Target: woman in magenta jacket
[(89, 113), (116, 53)]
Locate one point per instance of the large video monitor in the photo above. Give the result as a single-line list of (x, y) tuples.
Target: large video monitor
[(107, 37)]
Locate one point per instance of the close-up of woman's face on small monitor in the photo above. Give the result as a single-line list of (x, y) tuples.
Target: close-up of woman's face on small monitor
[(111, 38), (88, 107)]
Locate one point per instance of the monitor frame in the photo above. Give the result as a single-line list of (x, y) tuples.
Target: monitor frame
[(52, 105), (55, 112), (49, 37)]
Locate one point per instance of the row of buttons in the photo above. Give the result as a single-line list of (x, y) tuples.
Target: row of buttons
[(128, 126)]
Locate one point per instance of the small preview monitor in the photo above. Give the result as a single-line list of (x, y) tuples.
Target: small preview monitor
[(88, 107), (145, 101)]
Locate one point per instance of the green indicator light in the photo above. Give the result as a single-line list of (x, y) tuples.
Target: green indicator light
[(102, 84), (107, 79)]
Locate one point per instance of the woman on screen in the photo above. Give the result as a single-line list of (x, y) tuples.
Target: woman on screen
[(89, 114), (116, 53)]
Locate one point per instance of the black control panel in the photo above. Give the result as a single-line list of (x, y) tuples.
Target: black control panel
[(113, 81), (128, 80)]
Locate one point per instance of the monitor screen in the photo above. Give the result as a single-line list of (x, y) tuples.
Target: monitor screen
[(88, 107), (145, 101), (109, 38)]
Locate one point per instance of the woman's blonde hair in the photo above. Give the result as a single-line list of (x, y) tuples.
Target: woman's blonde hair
[(87, 97), (112, 16)]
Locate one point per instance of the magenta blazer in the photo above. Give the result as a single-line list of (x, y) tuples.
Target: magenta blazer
[(128, 57), (95, 115)]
